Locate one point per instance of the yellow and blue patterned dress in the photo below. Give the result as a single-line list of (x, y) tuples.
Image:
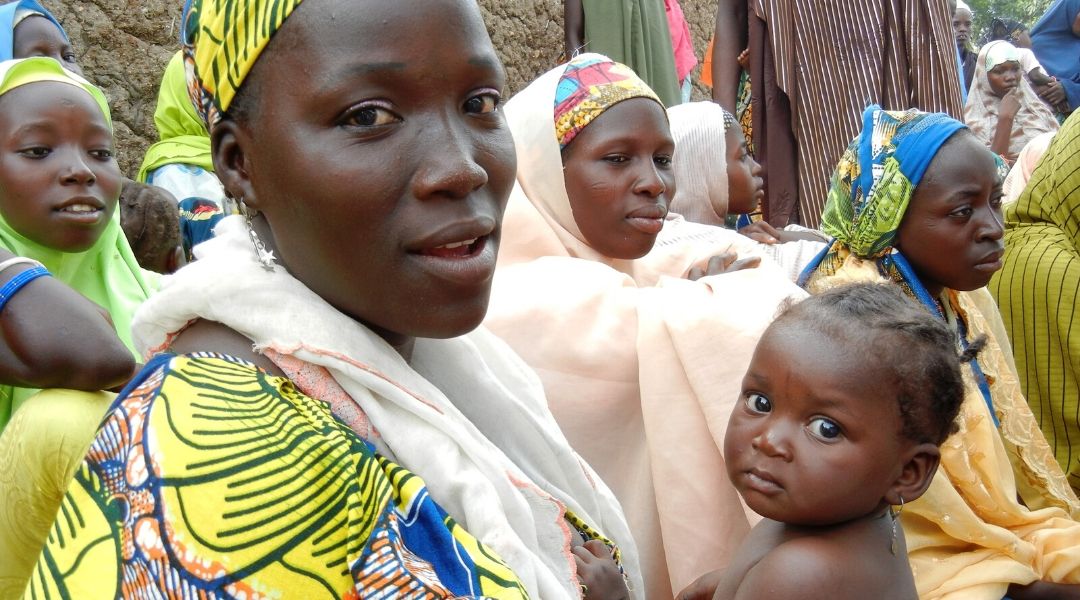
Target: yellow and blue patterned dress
[(210, 478)]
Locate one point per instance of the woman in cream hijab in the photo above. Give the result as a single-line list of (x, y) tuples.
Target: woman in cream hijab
[(640, 364)]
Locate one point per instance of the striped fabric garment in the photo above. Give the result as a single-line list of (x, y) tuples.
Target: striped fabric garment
[(1037, 291), (832, 58)]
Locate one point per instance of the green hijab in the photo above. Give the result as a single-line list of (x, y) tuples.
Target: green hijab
[(181, 132), (107, 273)]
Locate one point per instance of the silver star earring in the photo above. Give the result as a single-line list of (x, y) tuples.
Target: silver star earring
[(266, 257)]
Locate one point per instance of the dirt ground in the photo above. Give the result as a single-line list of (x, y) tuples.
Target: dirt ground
[(123, 46)]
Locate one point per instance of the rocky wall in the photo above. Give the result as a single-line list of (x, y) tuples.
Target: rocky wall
[(123, 46)]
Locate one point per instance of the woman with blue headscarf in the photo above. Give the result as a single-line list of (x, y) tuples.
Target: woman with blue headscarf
[(916, 200), (27, 29)]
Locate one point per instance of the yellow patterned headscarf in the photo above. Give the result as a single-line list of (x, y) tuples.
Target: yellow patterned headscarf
[(223, 39), (591, 84)]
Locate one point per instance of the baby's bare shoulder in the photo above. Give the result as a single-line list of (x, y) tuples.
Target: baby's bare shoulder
[(822, 567)]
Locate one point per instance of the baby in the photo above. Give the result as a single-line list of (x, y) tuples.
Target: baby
[(151, 223), (847, 397)]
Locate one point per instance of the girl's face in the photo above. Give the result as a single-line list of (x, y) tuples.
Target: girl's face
[(38, 36), (746, 188), (1004, 78), (377, 153), (59, 181), (619, 178), (952, 230), (812, 440)]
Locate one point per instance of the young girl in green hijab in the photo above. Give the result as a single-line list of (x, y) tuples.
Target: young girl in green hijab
[(59, 185)]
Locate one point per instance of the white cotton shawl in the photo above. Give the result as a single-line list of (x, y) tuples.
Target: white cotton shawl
[(465, 414)]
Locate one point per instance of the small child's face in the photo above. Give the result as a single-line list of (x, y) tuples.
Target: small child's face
[(59, 181), (815, 438), (746, 188), (38, 36)]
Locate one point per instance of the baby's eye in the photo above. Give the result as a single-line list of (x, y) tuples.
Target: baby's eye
[(483, 103), (824, 429), (758, 403), (370, 116), (36, 152)]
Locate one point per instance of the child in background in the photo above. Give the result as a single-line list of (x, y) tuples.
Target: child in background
[(152, 226), (846, 400), (720, 184), (28, 30), (59, 185)]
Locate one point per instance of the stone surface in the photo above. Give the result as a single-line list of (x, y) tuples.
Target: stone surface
[(123, 46)]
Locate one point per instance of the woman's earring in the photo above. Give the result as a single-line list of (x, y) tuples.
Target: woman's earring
[(266, 257), (895, 514)]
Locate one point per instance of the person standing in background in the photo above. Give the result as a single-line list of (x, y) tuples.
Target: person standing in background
[(632, 32), (816, 65)]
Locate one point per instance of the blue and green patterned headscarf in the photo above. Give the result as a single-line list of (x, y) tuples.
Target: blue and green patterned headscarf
[(877, 175)]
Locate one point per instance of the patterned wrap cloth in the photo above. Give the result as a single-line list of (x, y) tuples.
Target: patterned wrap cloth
[(222, 40), (591, 84), (968, 536)]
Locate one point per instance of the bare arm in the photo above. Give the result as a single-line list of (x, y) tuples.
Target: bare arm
[(1010, 105), (574, 26), (52, 336), (730, 37), (1076, 25), (1042, 590)]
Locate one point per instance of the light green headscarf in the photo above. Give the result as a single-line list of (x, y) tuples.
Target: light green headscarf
[(107, 273), (181, 133)]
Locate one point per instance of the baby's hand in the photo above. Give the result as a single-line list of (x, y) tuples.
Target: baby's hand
[(598, 573), (744, 59)]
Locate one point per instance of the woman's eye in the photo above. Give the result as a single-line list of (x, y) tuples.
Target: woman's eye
[(102, 154), (371, 116), (824, 429), (483, 103), (663, 160), (961, 212), (758, 403), (615, 158)]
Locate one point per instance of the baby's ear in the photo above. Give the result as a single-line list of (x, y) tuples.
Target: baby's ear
[(915, 477), (175, 260)]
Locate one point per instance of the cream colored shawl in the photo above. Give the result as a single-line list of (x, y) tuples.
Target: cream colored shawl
[(465, 414), (641, 366)]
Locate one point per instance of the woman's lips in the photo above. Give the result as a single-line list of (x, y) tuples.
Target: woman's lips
[(649, 219), (468, 262)]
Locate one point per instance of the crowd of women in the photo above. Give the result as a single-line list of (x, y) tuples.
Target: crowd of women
[(435, 343)]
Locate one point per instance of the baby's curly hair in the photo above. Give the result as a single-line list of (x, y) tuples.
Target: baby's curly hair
[(903, 337), (151, 223)]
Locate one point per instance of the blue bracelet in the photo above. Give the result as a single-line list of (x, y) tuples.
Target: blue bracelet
[(17, 282)]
